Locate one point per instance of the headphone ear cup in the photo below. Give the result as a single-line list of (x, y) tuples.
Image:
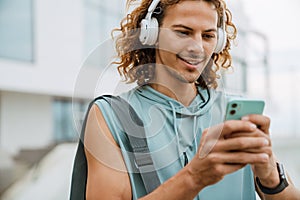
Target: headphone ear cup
[(153, 31), (149, 31), (221, 43), (144, 32)]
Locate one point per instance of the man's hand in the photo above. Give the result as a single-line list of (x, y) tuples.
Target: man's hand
[(226, 148), (267, 172)]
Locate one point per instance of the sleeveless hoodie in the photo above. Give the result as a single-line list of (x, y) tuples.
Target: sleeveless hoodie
[(173, 134)]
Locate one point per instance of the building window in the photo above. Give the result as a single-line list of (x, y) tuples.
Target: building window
[(101, 16), (65, 129), (16, 29)]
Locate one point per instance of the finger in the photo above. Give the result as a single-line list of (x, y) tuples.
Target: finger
[(256, 133), (263, 122), (238, 158), (266, 150), (228, 127), (241, 143), (212, 135), (237, 126)]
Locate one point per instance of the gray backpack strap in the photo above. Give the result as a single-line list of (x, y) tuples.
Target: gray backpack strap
[(79, 173), (134, 128)]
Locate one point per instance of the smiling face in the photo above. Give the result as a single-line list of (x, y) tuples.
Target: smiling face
[(187, 39)]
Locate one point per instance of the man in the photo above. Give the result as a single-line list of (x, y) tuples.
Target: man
[(196, 154)]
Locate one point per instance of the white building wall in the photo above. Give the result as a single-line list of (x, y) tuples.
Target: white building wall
[(26, 121), (26, 110), (58, 38)]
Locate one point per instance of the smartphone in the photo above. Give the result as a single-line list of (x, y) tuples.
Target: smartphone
[(237, 108)]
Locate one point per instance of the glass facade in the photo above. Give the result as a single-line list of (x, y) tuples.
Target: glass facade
[(64, 122), (101, 17), (16, 30)]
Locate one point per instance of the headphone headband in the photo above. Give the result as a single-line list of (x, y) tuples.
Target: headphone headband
[(150, 28), (152, 6)]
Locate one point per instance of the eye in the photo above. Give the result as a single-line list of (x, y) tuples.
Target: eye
[(209, 36), (182, 33)]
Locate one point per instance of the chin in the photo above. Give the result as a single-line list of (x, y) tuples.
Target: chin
[(190, 78)]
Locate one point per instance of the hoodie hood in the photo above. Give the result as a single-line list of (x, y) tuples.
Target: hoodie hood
[(199, 106), (172, 129)]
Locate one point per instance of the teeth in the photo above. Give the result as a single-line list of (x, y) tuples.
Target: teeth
[(192, 62)]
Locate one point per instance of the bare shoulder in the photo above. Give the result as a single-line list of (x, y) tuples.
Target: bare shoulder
[(106, 167)]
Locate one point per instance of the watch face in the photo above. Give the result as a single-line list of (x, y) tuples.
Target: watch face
[(281, 171)]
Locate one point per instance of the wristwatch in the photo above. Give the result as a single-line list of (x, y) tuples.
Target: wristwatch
[(282, 185)]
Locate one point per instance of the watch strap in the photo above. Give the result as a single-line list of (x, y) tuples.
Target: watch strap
[(279, 188)]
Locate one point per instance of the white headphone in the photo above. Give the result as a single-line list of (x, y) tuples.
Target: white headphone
[(150, 28)]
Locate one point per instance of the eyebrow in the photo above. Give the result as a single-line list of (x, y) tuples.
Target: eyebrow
[(188, 28)]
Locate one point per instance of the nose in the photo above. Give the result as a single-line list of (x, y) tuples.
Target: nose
[(195, 45)]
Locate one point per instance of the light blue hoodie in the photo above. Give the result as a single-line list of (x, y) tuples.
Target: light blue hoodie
[(173, 134)]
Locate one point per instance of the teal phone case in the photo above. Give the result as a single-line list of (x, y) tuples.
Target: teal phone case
[(238, 108)]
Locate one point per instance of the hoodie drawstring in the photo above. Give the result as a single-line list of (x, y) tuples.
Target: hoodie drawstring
[(175, 128), (177, 134), (195, 131)]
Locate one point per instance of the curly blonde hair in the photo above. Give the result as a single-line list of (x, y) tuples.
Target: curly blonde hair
[(137, 61)]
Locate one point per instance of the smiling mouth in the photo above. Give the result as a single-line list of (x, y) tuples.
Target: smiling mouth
[(190, 61)]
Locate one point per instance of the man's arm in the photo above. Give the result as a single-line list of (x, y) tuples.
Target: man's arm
[(107, 175), (289, 193)]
